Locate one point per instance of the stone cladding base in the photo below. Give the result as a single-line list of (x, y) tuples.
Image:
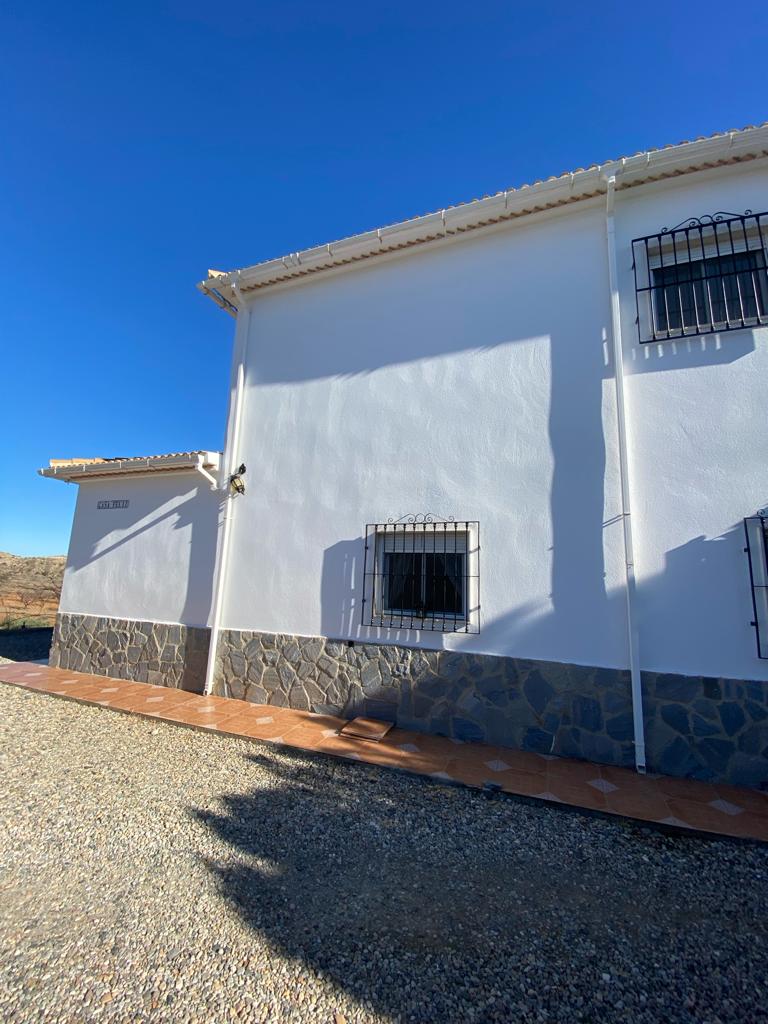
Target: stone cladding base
[(705, 728), (144, 652)]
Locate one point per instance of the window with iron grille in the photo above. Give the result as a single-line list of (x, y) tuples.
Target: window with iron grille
[(756, 532), (422, 572), (706, 275)]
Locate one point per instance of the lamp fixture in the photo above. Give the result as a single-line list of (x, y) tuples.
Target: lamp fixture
[(236, 481)]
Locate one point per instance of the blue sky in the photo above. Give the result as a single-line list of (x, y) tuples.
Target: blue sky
[(144, 143)]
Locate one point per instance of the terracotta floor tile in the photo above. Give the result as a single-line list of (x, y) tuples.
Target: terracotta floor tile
[(238, 725), (523, 783), (123, 701), (137, 705), (157, 701), (470, 771), (747, 825), (518, 760), (211, 701), (384, 757), (418, 764), (307, 735), (626, 778), (578, 794), (249, 725), (700, 815), (287, 716), (751, 800), (40, 685), (343, 746), (427, 746), (635, 804), (188, 716), (327, 721), (682, 789), (83, 691), (571, 771), (728, 810)]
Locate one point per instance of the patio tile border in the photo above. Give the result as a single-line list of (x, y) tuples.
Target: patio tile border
[(683, 803)]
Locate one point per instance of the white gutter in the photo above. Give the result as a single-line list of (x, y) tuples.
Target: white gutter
[(202, 462), (229, 464), (633, 640), (207, 476), (435, 228)]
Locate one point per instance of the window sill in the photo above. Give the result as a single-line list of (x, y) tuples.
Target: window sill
[(704, 330), (432, 623)]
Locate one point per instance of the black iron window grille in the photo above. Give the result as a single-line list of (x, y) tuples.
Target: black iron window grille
[(756, 533), (704, 276), (422, 572)]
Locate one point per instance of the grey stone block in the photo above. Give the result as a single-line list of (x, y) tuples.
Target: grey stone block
[(538, 691), (676, 717), (732, 716)]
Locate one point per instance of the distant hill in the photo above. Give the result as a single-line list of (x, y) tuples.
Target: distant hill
[(29, 589)]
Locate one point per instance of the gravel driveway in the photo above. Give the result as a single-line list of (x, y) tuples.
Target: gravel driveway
[(154, 873)]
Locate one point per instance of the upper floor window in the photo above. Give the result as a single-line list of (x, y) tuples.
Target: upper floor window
[(706, 275), (422, 573)]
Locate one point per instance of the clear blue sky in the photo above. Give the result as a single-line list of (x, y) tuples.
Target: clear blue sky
[(144, 143)]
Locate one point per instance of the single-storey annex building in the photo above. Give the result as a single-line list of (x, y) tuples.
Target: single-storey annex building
[(497, 473)]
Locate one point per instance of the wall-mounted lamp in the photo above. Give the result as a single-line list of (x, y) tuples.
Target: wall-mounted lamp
[(236, 480)]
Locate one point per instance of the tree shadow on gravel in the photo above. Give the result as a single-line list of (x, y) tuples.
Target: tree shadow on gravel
[(431, 903)]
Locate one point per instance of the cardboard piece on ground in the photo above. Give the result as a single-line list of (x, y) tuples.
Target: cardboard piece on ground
[(366, 729)]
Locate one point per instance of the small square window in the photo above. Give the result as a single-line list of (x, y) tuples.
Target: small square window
[(706, 276), (422, 574)]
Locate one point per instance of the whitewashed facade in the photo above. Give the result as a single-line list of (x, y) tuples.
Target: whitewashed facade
[(464, 366)]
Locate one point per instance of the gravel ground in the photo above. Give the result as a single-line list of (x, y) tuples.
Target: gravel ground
[(24, 644), (152, 873)]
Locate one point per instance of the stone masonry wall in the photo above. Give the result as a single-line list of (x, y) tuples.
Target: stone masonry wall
[(543, 706), (705, 728), (144, 652), (714, 729)]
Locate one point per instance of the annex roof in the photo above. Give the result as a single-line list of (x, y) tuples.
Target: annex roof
[(76, 469), (734, 146)]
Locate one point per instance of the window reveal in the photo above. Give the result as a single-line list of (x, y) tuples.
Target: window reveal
[(707, 275), (422, 573)]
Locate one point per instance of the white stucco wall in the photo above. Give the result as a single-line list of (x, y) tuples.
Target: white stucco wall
[(153, 560), (699, 435), (474, 380), (470, 381)]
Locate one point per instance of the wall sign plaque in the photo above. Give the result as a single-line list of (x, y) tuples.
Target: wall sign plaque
[(114, 503)]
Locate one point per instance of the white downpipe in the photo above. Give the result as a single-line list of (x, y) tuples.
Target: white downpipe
[(633, 640), (229, 464)]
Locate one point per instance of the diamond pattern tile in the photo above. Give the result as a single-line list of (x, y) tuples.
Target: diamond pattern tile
[(678, 803), (726, 807), (603, 785)]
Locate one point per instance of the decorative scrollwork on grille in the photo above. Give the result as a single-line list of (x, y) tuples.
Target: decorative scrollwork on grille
[(421, 517), (706, 220)]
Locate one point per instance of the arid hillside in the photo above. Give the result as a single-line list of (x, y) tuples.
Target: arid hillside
[(29, 589)]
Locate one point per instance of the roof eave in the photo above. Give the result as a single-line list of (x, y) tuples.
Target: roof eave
[(130, 467), (729, 147)]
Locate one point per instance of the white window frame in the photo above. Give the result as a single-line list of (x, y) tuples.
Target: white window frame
[(406, 537)]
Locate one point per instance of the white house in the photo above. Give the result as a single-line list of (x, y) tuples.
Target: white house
[(486, 473)]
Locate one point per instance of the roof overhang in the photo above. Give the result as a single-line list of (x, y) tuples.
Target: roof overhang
[(77, 470), (654, 165)]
